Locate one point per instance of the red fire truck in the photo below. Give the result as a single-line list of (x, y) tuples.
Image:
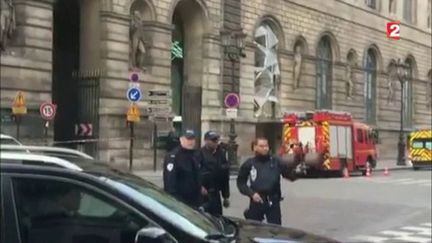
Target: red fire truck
[(330, 141)]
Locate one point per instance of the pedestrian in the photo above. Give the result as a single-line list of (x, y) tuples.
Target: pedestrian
[(181, 171), (263, 171), (172, 140), (214, 173)]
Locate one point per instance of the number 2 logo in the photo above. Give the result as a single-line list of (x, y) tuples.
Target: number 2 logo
[(393, 30)]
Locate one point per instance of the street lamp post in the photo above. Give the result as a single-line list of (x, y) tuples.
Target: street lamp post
[(233, 44), (402, 75)]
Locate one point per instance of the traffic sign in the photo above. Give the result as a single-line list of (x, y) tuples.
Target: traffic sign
[(159, 110), (134, 77), (133, 114), (232, 100), (231, 113), (84, 129), (48, 110), (158, 95), (19, 104), (134, 94)]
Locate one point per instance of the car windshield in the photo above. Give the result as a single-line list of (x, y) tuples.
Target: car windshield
[(163, 205), (422, 143)]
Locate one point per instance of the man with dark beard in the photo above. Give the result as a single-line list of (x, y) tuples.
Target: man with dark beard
[(263, 172), (214, 174)]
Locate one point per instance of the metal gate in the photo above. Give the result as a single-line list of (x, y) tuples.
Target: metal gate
[(87, 123)]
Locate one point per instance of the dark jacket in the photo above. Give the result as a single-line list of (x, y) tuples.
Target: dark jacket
[(264, 176), (214, 170), (181, 176)]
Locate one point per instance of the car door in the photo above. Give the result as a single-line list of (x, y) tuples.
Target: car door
[(53, 209)]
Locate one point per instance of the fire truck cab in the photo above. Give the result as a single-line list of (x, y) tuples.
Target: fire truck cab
[(330, 141)]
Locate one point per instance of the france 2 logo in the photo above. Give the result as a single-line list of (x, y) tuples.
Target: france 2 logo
[(393, 30)]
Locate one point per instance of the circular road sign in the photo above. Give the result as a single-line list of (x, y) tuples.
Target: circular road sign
[(134, 77), (48, 110), (134, 94), (232, 100)]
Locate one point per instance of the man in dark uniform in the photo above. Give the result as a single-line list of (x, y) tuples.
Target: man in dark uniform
[(264, 171), (181, 171), (214, 174)]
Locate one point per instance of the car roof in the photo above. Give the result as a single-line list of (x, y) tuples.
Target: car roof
[(36, 159), (45, 150), (4, 136), (69, 165)]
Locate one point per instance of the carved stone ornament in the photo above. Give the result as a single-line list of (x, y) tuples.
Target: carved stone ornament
[(7, 23), (390, 84), (349, 81), (137, 41), (429, 91), (297, 65)]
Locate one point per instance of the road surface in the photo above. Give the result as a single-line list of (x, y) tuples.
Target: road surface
[(393, 208)]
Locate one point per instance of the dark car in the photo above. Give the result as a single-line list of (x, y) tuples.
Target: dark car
[(91, 202)]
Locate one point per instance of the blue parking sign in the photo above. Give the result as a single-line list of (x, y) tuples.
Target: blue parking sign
[(133, 94)]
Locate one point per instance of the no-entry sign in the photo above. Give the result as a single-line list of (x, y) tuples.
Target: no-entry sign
[(48, 111)]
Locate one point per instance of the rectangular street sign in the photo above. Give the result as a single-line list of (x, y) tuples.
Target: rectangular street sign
[(158, 93), (166, 102), (153, 110)]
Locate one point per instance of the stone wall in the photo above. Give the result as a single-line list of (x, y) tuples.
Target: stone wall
[(350, 25), (350, 28)]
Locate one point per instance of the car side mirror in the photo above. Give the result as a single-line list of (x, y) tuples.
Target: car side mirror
[(152, 235)]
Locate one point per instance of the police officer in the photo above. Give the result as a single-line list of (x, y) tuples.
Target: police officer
[(181, 171), (214, 173), (263, 172)]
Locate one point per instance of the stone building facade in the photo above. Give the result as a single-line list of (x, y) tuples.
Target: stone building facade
[(333, 55)]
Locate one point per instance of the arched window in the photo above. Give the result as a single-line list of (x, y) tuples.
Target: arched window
[(266, 71), (407, 93), (370, 69), (177, 64), (324, 66)]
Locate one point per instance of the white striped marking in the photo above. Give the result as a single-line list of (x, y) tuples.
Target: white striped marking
[(372, 239), (426, 184), (427, 224), (394, 233), (419, 230), (416, 182), (407, 238)]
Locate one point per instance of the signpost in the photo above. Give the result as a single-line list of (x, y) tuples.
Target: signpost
[(232, 101), (159, 106), (133, 114), (133, 94), (47, 111), (159, 103), (19, 109)]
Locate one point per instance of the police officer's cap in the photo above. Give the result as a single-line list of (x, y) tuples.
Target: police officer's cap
[(189, 133), (211, 135)]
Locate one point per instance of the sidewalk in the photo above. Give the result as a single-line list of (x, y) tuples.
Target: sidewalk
[(381, 165), (392, 165)]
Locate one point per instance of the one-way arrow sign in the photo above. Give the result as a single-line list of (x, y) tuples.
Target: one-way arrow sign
[(84, 129)]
